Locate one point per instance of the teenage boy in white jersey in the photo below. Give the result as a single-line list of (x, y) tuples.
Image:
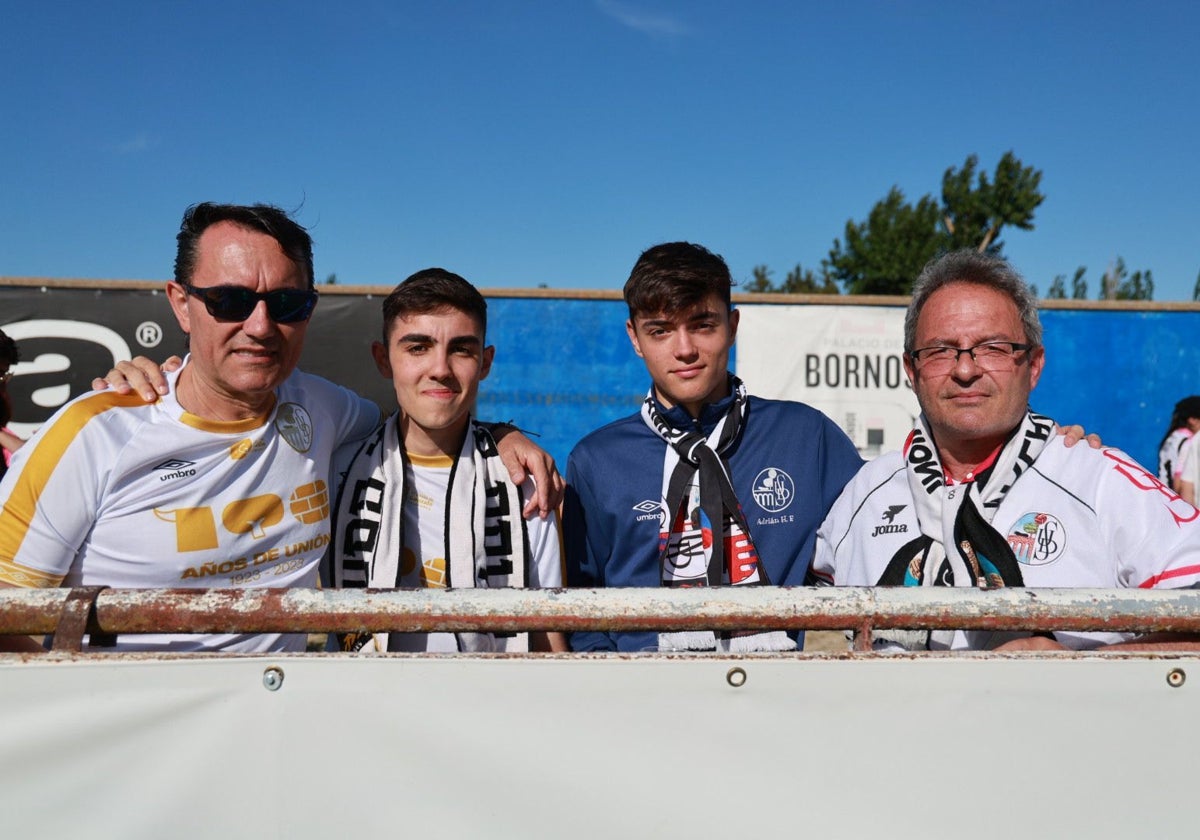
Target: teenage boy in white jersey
[(984, 494), (222, 481), (426, 502)]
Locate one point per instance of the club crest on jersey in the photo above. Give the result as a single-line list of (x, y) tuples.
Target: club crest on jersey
[(773, 489), (295, 426), (1038, 539)]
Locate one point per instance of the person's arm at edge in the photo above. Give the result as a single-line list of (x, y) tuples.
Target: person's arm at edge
[(10, 441)]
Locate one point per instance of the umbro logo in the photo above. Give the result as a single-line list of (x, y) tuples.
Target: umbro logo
[(178, 469), (648, 509), (174, 464)]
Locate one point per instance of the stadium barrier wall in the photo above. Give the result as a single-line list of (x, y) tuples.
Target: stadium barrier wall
[(612, 745)]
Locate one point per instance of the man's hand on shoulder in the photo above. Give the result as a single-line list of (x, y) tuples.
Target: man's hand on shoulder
[(1073, 434), (524, 458), (139, 374)]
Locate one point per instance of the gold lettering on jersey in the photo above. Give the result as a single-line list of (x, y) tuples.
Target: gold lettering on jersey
[(214, 568), (260, 559), (241, 449), (195, 529), (253, 515), (308, 545)]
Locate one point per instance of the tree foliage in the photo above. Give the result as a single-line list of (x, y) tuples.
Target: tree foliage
[(1116, 284), (1119, 284), (1058, 289), (885, 253), (799, 280)]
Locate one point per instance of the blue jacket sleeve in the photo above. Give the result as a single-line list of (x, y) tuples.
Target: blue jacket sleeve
[(586, 552)]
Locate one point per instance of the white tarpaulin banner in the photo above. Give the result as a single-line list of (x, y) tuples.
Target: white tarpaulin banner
[(611, 746), (844, 360)]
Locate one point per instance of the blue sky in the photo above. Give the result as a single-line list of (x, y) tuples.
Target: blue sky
[(524, 143)]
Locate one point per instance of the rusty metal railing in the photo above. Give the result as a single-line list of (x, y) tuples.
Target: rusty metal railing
[(69, 614)]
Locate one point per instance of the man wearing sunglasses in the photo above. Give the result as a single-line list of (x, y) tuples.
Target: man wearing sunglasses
[(221, 481), (984, 494)]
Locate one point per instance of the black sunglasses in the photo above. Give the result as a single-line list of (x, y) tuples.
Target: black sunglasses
[(235, 303)]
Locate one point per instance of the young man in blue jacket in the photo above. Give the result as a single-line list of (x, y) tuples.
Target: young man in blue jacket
[(706, 485)]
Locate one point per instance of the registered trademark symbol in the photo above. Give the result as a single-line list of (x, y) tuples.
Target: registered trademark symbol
[(149, 334)]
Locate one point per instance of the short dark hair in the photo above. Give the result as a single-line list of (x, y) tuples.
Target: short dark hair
[(432, 290), (8, 349), (1184, 409), (264, 218), (675, 276), (970, 266)]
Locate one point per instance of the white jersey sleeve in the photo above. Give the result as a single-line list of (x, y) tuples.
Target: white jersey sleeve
[(545, 567)]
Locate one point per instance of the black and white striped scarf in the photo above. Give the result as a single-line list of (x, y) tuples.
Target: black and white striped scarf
[(486, 544), (704, 538), (958, 545)]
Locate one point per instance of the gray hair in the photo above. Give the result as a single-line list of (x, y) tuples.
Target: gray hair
[(970, 266)]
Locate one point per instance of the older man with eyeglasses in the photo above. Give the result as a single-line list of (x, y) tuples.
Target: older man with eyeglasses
[(222, 481), (983, 493)]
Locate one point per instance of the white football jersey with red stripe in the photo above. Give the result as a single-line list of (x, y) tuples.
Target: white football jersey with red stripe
[(1079, 517), (112, 491)]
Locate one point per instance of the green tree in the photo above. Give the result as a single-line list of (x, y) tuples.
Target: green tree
[(885, 253), (331, 280), (975, 210), (805, 281), (1119, 284), (799, 281), (1058, 289), (1078, 284), (1196, 289), (761, 281)]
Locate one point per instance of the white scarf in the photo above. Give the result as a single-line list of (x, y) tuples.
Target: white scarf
[(485, 540), (694, 550), (960, 516)]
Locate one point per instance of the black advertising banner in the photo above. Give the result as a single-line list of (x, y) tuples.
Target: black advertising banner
[(69, 335), (563, 365)]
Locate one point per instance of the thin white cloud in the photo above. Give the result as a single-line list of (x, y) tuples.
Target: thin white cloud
[(140, 142), (641, 21)]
